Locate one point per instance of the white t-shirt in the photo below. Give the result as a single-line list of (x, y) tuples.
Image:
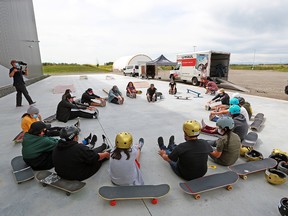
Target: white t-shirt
[(244, 112), (125, 172)]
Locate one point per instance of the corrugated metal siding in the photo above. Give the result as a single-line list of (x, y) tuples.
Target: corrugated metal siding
[(18, 37)]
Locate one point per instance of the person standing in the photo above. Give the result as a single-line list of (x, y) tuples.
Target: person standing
[(18, 82)]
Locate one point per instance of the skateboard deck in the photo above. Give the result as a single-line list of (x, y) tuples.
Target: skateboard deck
[(258, 122), (49, 178), (198, 94), (210, 182), (182, 97), (19, 137), (50, 119), (250, 139), (106, 91), (21, 170), (247, 168), (113, 193)]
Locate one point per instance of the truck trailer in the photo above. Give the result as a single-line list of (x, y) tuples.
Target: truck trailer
[(192, 66)]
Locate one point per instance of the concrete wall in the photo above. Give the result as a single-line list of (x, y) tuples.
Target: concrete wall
[(18, 38)]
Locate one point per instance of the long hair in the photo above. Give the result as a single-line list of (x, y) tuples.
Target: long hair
[(228, 132), (116, 154)]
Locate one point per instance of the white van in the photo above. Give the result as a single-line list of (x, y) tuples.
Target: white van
[(133, 70)]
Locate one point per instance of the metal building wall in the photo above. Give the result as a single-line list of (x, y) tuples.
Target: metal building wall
[(18, 38)]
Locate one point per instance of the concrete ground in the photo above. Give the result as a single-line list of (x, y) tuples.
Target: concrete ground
[(253, 196)]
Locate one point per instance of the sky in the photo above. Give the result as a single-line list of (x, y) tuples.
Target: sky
[(101, 31)]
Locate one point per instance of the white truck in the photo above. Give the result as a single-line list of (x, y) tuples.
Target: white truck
[(192, 66)]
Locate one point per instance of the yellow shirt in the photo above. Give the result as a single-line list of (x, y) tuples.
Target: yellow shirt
[(27, 121)]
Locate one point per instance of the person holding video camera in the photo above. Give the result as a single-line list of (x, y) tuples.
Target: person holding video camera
[(17, 73)]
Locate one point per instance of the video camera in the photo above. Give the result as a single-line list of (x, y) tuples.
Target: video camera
[(21, 63)]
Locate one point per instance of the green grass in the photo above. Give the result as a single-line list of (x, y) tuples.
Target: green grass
[(273, 67), (53, 69)]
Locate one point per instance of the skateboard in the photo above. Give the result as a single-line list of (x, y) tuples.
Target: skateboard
[(19, 137), (210, 182), (258, 122), (106, 91), (250, 139), (198, 94), (247, 168), (21, 170), (182, 97), (52, 179), (113, 193), (50, 119)]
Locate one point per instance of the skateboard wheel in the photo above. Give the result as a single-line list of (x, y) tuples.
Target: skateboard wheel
[(154, 201), (244, 177), (229, 187), (197, 196), (113, 203), (68, 194)]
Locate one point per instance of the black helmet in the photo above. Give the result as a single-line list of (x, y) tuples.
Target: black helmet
[(241, 100), (283, 207), (279, 157), (69, 132)]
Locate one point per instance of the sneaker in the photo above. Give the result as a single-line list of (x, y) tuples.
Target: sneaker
[(93, 141), (203, 123), (171, 143), (87, 139), (33, 102), (161, 143), (96, 114), (141, 143), (104, 139), (77, 124)]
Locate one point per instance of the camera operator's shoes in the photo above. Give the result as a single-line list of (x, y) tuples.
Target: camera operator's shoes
[(87, 139)]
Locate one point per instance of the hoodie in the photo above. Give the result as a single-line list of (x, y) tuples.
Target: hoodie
[(240, 126), (74, 161)]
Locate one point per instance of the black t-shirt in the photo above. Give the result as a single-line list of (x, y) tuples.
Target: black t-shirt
[(74, 161), (191, 157), (18, 77), (151, 91)]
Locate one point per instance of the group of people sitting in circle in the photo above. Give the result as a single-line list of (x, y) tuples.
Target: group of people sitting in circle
[(74, 160)]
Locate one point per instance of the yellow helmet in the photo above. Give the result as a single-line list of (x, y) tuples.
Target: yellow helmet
[(244, 149), (253, 155), (275, 176), (123, 140), (278, 151), (191, 128)]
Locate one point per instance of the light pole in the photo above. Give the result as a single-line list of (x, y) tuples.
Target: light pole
[(194, 47)]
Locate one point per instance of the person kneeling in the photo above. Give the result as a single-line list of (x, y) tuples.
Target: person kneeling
[(75, 161), (227, 147)]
